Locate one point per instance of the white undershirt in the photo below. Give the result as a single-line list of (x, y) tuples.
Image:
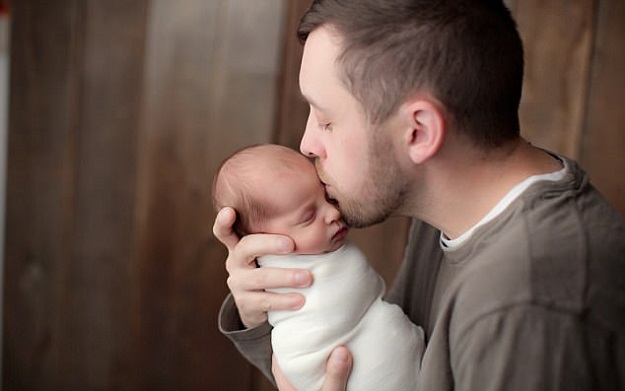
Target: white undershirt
[(513, 194)]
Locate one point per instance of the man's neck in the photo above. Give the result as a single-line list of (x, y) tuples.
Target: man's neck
[(462, 189)]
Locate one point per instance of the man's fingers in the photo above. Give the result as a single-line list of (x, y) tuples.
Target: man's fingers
[(251, 247), (222, 228), (337, 370), (262, 302), (264, 244), (258, 279), (247, 282), (255, 245), (254, 302)]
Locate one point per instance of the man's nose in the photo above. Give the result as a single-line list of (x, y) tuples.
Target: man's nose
[(311, 144)]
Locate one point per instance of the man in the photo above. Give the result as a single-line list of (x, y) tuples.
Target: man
[(514, 264)]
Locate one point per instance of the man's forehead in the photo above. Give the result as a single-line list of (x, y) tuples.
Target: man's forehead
[(318, 60)]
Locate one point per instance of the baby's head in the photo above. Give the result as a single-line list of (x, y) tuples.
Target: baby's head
[(275, 189)]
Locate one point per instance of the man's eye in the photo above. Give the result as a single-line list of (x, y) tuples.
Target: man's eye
[(327, 126)]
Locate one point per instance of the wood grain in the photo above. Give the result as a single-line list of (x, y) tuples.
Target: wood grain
[(44, 100), (603, 146), (120, 113), (557, 36), (211, 77)]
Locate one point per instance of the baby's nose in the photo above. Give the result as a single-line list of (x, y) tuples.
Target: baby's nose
[(332, 214)]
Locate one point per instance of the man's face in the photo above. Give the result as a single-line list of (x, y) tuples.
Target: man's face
[(354, 160)]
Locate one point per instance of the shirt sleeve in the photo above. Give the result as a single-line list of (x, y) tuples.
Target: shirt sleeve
[(254, 344), (523, 348)]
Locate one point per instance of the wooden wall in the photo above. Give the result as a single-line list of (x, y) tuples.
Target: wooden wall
[(575, 85), (120, 113)]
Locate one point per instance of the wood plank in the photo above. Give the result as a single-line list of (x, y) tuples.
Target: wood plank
[(210, 89), (557, 35), (604, 132), (99, 345), (245, 72), (45, 53), (292, 110), (113, 278), (181, 42)]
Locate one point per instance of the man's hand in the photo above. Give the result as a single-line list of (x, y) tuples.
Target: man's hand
[(337, 371), (247, 282)]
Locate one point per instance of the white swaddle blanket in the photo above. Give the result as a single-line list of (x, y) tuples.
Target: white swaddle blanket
[(344, 307)]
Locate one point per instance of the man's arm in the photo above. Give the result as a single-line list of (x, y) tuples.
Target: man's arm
[(254, 343)]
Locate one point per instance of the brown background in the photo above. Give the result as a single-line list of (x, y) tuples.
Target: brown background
[(120, 112)]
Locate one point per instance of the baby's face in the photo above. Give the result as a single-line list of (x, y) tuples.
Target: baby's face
[(305, 215)]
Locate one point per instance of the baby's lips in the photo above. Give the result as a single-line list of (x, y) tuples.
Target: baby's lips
[(340, 233)]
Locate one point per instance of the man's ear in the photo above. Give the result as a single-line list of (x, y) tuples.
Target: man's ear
[(426, 131)]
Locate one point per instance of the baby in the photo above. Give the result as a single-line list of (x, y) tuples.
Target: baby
[(276, 190)]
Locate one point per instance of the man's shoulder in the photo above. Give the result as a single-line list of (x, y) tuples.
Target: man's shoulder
[(559, 264)]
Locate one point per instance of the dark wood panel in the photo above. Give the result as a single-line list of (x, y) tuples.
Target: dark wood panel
[(211, 72), (120, 113), (44, 96), (603, 148), (244, 72), (292, 110), (86, 306), (98, 339), (557, 36)]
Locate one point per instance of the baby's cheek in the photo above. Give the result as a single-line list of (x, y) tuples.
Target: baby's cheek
[(315, 242)]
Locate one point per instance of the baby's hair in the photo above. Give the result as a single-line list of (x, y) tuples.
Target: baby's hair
[(233, 184)]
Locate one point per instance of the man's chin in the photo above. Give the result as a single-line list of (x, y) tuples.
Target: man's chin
[(360, 221), (358, 217)]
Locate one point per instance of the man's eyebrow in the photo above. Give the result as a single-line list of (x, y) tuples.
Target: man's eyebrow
[(311, 102)]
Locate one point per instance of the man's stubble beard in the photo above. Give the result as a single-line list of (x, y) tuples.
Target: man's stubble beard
[(383, 191)]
